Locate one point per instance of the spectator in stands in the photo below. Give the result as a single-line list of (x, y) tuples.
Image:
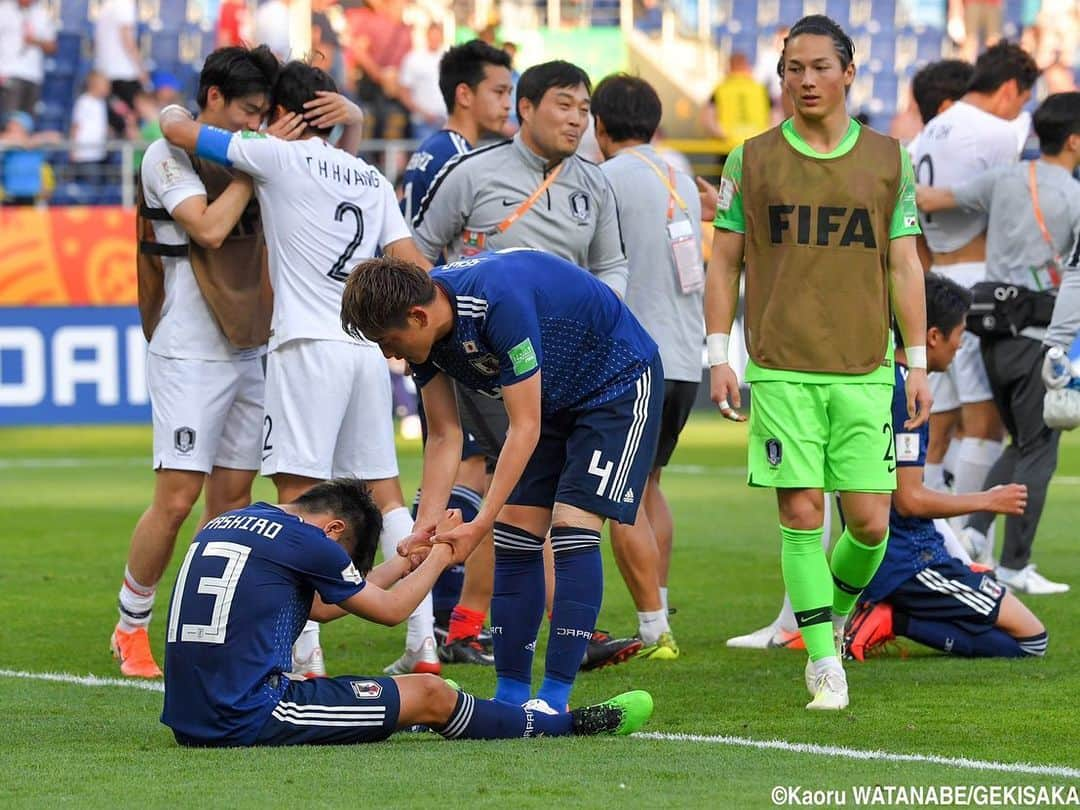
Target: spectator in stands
[(325, 40), (26, 70), (418, 85), (1058, 26), (116, 49), (512, 123), (739, 107), (9, 46), (90, 129), (27, 176), (765, 73), (272, 27), (974, 25), (380, 40), (234, 23)]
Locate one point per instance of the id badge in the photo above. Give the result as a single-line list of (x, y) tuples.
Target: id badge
[(472, 242), (688, 260)]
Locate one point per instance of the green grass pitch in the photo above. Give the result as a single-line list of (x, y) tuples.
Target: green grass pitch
[(69, 498)]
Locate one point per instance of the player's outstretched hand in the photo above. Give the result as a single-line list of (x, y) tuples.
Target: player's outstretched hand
[(463, 539), (330, 109), (416, 545), (1008, 499), (288, 127), (919, 398), (724, 391), (709, 196)]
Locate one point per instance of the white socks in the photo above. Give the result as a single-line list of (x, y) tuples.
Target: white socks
[(136, 603), (934, 477), (663, 598), (952, 545), (651, 625), (975, 459), (397, 523), (306, 642)]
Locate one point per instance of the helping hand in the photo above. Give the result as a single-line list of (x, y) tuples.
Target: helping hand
[(463, 539)]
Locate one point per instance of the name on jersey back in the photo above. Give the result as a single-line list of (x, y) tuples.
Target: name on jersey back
[(345, 175)]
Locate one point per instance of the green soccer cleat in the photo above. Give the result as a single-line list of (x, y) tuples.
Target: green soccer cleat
[(452, 684), (621, 715), (665, 649)]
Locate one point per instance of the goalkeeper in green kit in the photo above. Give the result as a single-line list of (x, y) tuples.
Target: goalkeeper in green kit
[(822, 213)]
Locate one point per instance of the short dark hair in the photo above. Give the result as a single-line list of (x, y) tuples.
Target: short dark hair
[(1000, 63), (297, 83), (944, 80), (1057, 118), (538, 79), (628, 106), (464, 64), (237, 72), (350, 500), (947, 304), (379, 294), (822, 26)]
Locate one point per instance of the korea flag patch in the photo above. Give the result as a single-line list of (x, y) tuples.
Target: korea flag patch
[(907, 447)]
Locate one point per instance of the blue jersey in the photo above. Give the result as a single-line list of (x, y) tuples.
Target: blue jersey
[(425, 165), (241, 598), (914, 543), (518, 311)]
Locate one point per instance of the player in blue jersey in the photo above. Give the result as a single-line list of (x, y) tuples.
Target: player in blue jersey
[(920, 590), (247, 586), (581, 382), (476, 85)]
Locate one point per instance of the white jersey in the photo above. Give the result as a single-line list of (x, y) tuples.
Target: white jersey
[(954, 147), (323, 211), (186, 330)]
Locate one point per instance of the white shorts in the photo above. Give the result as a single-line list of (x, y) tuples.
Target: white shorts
[(329, 411), (207, 413), (965, 381)]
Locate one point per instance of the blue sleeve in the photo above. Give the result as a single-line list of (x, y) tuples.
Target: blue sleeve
[(910, 445), (327, 567), (512, 328), (423, 373)]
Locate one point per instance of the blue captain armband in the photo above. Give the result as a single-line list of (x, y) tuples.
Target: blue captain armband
[(213, 144)]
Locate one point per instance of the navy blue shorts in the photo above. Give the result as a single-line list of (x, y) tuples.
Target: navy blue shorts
[(951, 592), (469, 447), (333, 711), (597, 459)]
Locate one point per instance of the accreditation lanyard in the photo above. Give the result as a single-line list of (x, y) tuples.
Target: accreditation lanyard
[(1049, 273), (685, 250), (474, 242)]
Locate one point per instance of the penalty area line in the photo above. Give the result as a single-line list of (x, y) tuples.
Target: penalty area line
[(855, 753)]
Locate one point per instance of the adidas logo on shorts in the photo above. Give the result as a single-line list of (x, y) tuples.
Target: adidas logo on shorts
[(628, 497)]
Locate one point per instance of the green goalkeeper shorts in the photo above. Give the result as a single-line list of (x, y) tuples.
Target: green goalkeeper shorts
[(833, 436)]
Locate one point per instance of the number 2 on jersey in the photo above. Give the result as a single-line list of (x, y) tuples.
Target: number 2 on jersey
[(338, 272)]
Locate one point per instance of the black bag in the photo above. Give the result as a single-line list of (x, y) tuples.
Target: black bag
[(1004, 310)]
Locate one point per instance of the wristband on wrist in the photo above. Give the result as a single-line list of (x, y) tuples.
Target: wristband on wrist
[(716, 348), (916, 357)]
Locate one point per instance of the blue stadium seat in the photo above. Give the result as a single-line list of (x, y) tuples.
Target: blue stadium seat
[(74, 15), (605, 12), (164, 47), (68, 53), (886, 93), (883, 12), (790, 11), (58, 90), (838, 10), (882, 50), (745, 12), (745, 42), (650, 21)]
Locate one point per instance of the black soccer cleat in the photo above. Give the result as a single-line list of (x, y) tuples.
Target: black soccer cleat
[(605, 651), (465, 651)]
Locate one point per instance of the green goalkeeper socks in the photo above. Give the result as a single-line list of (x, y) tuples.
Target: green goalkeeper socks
[(853, 566), (809, 584)]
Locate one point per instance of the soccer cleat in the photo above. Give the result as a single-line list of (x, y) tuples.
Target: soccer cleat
[(485, 640), (830, 691), (621, 715), (810, 675), (870, 627), (665, 649), (605, 651), (422, 659), (465, 651), (769, 637), (1028, 580), (314, 666), (132, 650), (538, 705)]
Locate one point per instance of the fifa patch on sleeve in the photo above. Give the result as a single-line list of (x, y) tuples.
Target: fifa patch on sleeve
[(350, 574), (169, 171), (523, 357), (910, 221), (727, 194), (907, 447), (248, 134)]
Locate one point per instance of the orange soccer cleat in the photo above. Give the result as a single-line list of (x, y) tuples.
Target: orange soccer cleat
[(132, 650)]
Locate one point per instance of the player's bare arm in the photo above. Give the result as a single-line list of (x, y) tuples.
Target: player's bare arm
[(522, 402), (393, 606), (330, 109), (209, 224), (914, 499), (442, 453), (907, 291), (406, 249), (721, 299), (930, 199)]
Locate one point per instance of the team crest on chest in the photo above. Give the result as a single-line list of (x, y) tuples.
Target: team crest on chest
[(486, 364), (579, 205)]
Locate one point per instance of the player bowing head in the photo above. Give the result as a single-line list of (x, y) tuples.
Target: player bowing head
[(392, 302), (298, 84), (344, 510)]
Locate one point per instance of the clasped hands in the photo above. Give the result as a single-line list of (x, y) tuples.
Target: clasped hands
[(461, 537)]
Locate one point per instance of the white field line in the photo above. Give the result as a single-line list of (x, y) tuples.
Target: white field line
[(855, 753), (741, 742)]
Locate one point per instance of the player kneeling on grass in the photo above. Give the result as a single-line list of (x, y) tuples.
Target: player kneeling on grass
[(920, 590), (242, 596)]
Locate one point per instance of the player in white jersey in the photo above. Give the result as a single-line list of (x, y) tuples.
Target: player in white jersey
[(976, 133), (206, 395), (328, 401)]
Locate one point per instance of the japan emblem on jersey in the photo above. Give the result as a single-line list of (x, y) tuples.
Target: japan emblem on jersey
[(366, 690), (991, 587)]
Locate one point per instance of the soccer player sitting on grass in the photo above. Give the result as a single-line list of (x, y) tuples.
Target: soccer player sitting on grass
[(582, 383), (243, 594), (920, 590)]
